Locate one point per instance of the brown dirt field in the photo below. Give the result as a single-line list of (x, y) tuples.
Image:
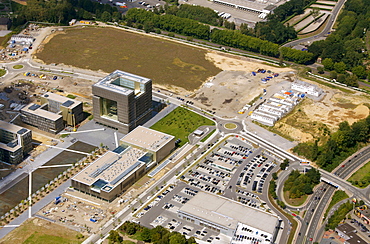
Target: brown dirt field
[(165, 62), (43, 227), (310, 118)]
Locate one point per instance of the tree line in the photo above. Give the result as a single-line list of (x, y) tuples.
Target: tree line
[(232, 38), (61, 12), (301, 184), (340, 145), (157, 235)]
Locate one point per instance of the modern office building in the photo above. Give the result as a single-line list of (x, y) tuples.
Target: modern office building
[(122, 100), (113, 173), (157, 143), (54, 113), (70, 109), (229, 217), (15, 142)]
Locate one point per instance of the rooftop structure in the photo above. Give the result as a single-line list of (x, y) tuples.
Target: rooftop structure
[(40, 111), (122, 100), (225, 214), (344, 230)]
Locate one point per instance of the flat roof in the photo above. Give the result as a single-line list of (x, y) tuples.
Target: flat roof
[(41, 112), (111, 168), (65, 101), (107, 82), (345, 228), (147, 138), (228, 213), (257, 6), (222, 164), (12, 128)]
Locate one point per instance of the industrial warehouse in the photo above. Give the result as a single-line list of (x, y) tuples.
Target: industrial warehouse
[(230, 218), (113, 173)]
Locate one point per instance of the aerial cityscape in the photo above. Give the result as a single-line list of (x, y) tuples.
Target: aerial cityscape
[(185, 121)]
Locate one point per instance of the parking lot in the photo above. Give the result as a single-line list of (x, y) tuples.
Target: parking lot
[(233, 166)]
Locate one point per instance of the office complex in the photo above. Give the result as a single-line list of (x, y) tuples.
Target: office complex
[(114, 172), (15, 142), (54, 113), (122, 100)]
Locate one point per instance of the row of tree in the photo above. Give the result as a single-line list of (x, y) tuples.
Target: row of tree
[(232, 38), (157, 235), (339, 146), (301, 184), (61, 12)]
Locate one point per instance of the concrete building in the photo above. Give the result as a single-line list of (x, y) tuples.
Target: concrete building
[(39, 117), (229, 217), (70, 109), (54, 113), (157, 143), (15, 142), (306, 88), (344, 230), (113, 173), (122, 100)]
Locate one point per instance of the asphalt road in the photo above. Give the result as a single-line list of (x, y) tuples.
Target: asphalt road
[(328, 27), (351, 164)]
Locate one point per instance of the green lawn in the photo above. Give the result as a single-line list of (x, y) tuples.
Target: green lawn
[(295, 201), (18, 66), (180, 123), (38, 238), (361, 178), (2, 72), (337, 197)]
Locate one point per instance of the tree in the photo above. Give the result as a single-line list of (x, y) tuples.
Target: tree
[(340, 67), (333, 75), (146, 235), (114, 237), (328, 64), (106, 16), (177, 238), (360, 71), (315, 12), (352, 80)]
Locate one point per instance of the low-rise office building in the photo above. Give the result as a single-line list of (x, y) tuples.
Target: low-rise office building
[(159, 144), (54, 113), (70, 109), (113, 173), (15, 142), (39, 117)]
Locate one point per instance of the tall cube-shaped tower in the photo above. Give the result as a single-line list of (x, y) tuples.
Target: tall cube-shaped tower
[(122, 100)]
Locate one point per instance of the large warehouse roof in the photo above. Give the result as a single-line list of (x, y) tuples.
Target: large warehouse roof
[(228, 213)]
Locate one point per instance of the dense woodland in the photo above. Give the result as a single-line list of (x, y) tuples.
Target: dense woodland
[(299, 184), (345, 49), (339, 146)]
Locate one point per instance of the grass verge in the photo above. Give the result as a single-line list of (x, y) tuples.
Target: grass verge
[(337, 197), (361, 178), (180, 123), (208, 136), (295, 201), (18, 66), (2, 72)]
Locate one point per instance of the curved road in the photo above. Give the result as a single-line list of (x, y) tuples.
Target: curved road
[(328, 27)]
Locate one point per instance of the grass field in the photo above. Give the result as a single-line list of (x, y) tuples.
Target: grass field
[(180, 123), (36, 231), (295, 201), (361, 178), (108, 49), (337, 197)]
